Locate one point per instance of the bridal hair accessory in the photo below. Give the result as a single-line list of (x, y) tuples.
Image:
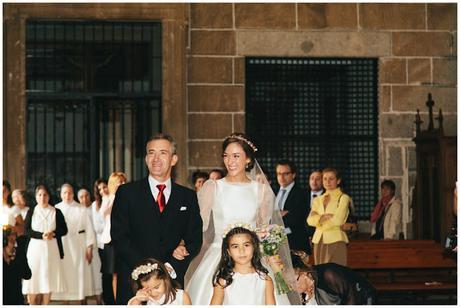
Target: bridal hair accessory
[(253, 147), (143, 269), (237, 225)]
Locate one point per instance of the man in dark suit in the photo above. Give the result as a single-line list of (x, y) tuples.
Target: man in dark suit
[(292, 202), (151, 217), (315, 181)]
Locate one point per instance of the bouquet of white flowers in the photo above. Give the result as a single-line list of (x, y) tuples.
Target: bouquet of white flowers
[(271, 238)]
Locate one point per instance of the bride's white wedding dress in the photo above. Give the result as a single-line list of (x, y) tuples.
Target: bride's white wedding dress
[(226, 203)]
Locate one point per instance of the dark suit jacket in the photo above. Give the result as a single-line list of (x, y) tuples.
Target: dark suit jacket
[(310, 229), (297, 203), (139, 230)]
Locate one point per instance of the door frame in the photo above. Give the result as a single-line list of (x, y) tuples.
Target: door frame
[(173, 18)]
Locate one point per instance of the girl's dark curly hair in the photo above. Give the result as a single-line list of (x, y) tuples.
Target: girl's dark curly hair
[(161, 272), (225, 269)]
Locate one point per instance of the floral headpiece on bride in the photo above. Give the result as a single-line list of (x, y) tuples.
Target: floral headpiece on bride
[(237, 225), (248, 142)]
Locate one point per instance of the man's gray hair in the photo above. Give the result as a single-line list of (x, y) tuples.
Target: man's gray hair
[(167, 137)]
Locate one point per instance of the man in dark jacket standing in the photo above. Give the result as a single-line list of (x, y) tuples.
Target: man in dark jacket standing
[(151, 217), (292, 202)]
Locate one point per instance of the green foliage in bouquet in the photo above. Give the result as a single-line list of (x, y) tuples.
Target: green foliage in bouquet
[(272, 237)]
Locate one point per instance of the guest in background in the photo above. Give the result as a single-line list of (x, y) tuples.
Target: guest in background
[(15, 267), (315, 183), (116, 179), (45, 225), (216, 174), (85, 199), (100, 192), (11, 214), (78, 248), (20, 201), (386, 217), (331, 284), (328, 213), (198, 179), (291, 199), (7, 194)]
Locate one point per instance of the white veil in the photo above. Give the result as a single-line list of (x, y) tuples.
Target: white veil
[(268, 213)]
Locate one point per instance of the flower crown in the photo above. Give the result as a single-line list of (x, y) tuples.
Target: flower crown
[(251, 145), (237, 225), (143, 269)]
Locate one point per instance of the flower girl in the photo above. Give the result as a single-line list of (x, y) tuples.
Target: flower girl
[(240, 278), (153, 285)]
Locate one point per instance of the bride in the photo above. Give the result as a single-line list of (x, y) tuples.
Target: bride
[(244, 195)]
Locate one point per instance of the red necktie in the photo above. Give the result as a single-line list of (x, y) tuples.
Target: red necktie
[(161, 197)]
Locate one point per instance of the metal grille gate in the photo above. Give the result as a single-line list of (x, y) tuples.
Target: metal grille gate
[(317, 112), (93, 99)]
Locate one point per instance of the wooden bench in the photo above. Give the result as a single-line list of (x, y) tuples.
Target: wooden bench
[(408, 267)]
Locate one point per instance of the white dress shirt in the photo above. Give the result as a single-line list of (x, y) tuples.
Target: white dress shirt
[(278, 196), (153, 188), (98, 224)]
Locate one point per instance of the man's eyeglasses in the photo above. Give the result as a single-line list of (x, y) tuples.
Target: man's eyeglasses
[(283, 173)]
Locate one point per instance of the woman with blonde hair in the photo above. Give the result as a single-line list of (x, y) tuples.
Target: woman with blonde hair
[(115, 180)]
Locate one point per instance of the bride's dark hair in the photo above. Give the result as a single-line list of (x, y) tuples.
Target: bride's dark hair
[(247, 145), (225, 269)]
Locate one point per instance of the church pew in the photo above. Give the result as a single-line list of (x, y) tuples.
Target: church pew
[(405, 266)]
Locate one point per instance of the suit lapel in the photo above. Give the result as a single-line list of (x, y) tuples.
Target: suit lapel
[(171, 205), (290, 197)]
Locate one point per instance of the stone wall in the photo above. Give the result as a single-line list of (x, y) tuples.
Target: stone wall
[(415, 44)]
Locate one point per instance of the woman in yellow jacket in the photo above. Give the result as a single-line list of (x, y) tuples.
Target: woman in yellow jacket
[(328, 212)]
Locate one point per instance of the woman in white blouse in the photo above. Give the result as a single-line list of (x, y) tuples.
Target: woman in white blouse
[(100, 192), (115, 180)]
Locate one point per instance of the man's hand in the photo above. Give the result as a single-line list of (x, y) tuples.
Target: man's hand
[(284, 213), (180, 252), (89, 254)]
